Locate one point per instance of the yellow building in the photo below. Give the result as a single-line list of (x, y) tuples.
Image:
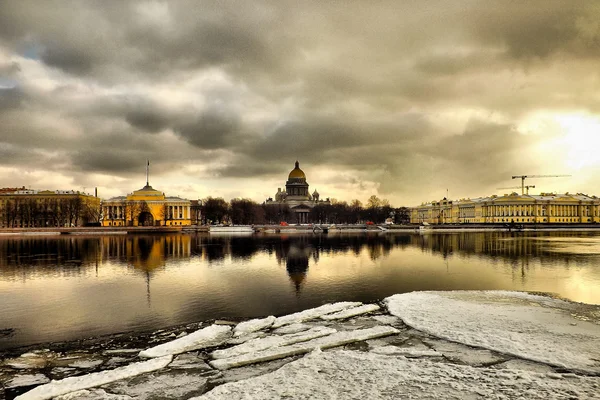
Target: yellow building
[(26, 208), (545, 208), (146, 207)]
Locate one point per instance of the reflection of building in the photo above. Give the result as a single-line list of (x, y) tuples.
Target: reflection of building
[(297, 196), (296, 254), (146, 207), (146, 253), (543, 208), (25, 208)]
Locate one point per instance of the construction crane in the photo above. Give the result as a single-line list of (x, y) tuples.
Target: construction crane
[(519, 187), (534, 176)]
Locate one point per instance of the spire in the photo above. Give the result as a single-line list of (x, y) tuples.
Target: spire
[(297, 164), (147, 171)]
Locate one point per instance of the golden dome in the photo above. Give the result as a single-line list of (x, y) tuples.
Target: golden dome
[(297, 172)]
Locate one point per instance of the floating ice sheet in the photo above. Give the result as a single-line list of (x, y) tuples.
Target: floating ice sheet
[(531, 327), (333, 340), (255, 345), (73, 384), (351, 312), (313, 313), (362, 375), (207, 337), (253, 325)]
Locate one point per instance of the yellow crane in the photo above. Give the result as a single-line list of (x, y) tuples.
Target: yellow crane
[(534, 176), (519, 187)]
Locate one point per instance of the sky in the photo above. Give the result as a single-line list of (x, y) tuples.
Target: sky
[(410, 101)]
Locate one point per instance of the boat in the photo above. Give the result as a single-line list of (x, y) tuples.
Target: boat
[(425, 228), (231, 229)]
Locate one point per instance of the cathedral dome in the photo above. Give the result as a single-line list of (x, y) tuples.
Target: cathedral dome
[(297, 173)]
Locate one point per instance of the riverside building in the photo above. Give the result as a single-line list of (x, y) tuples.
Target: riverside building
[(545, 208), (296, 196), (146, 207), (27, 208)]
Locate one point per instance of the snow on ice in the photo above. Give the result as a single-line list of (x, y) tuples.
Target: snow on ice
[(527, 326), (342, 374)]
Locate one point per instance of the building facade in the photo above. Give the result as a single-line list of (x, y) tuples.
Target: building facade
[(146, 207), (296, 196), (26, 208), (545, 208)]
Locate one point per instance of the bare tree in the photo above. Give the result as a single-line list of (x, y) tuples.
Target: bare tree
[(91, 213), (132, 211), (165, 213)]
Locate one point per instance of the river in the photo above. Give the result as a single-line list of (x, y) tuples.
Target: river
[(58, 288)]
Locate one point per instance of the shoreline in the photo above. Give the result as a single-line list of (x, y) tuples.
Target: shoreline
[(331, 229)]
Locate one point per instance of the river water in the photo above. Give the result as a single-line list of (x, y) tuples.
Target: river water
[(57, 288)]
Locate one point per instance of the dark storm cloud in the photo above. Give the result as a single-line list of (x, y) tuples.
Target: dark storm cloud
[(147, 118), (70, 60), (11, 98), (540, 29), (211, 129)]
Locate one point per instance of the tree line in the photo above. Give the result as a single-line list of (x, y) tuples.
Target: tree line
[(215, 210), (55, 212)]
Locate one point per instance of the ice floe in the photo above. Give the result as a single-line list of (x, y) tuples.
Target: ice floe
[(326, 342), (26, 380), (532, 327), (72, 384), (342, 374), (253, 325), (351, 312), (213, 335), (255, 345), (313, 313)]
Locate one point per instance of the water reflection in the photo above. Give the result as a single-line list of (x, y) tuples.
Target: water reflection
[(28, 257), (54, 288)]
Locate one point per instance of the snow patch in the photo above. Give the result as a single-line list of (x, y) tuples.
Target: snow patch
[(213, 335), (86, 364), (532, 327), (75, 383), (405, 351)]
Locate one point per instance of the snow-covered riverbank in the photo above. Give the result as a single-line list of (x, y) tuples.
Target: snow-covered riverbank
[(414, 345)]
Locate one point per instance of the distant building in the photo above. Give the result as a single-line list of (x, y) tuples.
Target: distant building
[(297, 196), (27, 208), (511, 208), (146, 207)]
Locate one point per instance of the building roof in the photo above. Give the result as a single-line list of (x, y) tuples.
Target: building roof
[(297, 173)]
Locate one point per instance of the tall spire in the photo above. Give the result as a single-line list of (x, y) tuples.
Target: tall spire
[(147, 171)]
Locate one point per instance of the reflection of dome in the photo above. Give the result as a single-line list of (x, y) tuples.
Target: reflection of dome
[(297, 173)]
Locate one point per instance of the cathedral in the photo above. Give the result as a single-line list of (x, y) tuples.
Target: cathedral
[(297, 196)]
